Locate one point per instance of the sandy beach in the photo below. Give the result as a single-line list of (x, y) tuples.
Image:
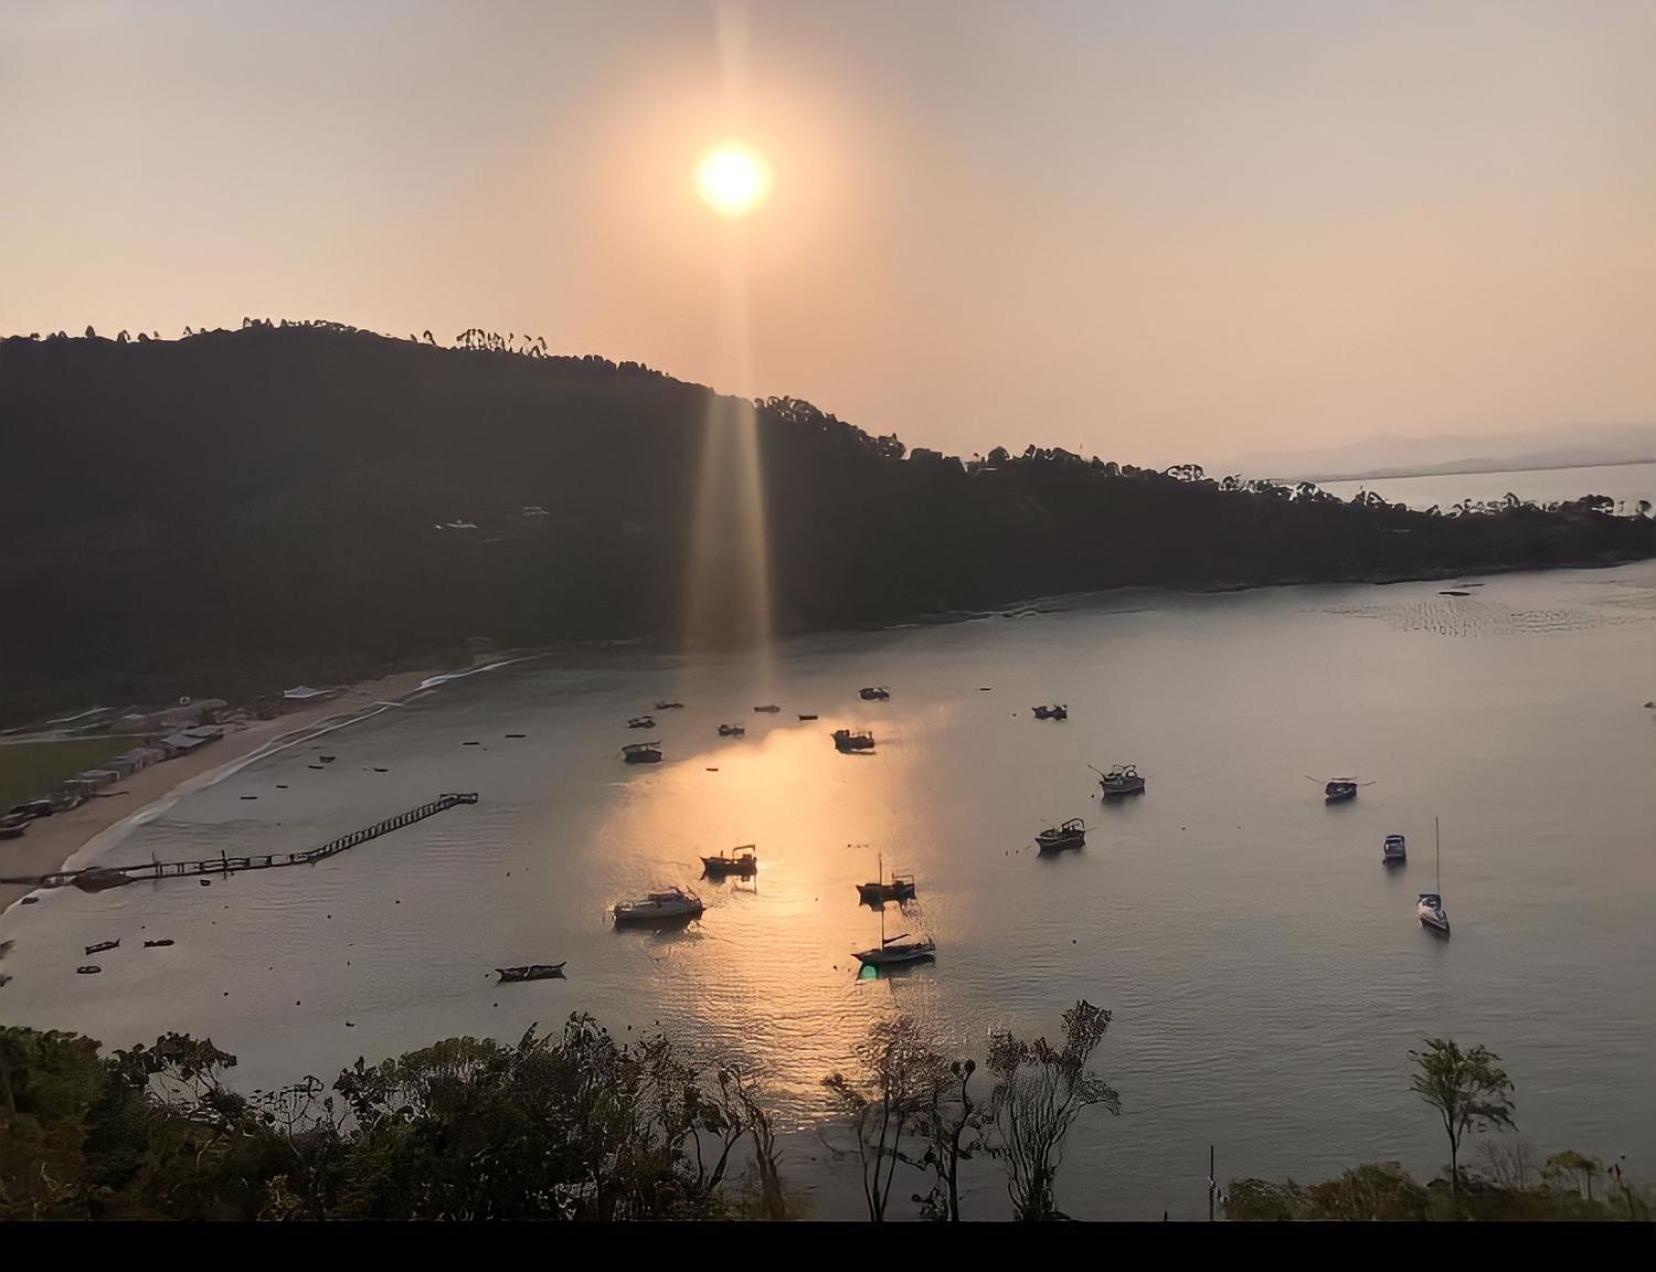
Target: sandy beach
[(52, 841)]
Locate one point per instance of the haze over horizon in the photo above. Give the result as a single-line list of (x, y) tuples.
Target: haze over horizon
[(1154, 234)]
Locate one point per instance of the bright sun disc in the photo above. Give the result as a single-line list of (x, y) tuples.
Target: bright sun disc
[(733, 180)]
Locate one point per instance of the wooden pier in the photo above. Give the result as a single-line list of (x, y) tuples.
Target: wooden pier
[(97, 878)]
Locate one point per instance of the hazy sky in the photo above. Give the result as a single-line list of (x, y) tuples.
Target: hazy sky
[(1154, 231)]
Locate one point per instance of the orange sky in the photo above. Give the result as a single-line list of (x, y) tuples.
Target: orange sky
[(1154, 232)]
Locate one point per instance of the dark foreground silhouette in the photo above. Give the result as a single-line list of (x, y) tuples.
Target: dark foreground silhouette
[(232, 512)]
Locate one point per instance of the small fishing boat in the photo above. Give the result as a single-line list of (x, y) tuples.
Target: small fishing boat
[(739, 861), (1429, 908), (531, 972), (895, 951), (853, 740), (1339, 789), (641, 722), (1072, 834), (732, 731), (807, 715), (1454, 591), (101, 946), (1395, 851), (874, 693), (517, 735), (88, 969), (770, 708), (1057, 711), (666, 704), (1120, 781), (899, 888), (672, 905), (314, 766), (155, 945), (642, 753), (329, 759)]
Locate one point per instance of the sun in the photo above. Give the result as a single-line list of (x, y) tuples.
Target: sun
[(733, 179)]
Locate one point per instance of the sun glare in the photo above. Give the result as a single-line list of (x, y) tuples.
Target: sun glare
[(732, 179)]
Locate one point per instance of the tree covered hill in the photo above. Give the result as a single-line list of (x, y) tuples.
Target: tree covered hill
[(236, 509)]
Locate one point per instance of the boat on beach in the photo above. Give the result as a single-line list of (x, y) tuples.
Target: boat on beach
[(1395, 851), (1120, 781), (1071, 834), (874, 693), (530, 972), (853, 740), (671, 905), (642, 753), (1057, 711), (742, 861)]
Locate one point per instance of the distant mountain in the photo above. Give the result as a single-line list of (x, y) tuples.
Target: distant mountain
[(240, 511), (1391, 456)]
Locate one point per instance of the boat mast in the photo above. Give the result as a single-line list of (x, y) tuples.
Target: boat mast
[(1437, 838)]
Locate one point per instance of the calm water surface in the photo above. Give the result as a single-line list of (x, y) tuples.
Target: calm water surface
[(1267, 974)]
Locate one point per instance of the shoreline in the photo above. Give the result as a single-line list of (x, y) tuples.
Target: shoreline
[(53, 843)]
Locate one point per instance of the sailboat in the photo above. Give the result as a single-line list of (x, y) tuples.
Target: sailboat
[(900, 889), (895, 951), (1429, 909)]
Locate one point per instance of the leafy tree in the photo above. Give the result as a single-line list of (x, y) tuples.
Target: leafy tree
[(1467, 1088), (898, 1074), (1039, 1092), (956, 1129)]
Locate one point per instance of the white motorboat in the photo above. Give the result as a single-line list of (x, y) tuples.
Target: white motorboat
[(673, 905)]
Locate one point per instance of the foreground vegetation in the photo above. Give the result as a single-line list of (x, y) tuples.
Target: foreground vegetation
[(233, 512), (579, 1126), (1470, 1093)]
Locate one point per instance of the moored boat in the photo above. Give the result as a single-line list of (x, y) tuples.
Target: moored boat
[(732, 731), (1072, 834), (101, 946), (1121, 780), (1057, 711), (853, 740), (530, 972), (874, 693), (770, 708), (899, 888), (895, 951), (1395, 851), (641, 722), (742, 861), (807, 715), (666, 704), (672, 905), (1339, 789), (88, 969), (155, 945), (642, 753), (1429, 908)]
